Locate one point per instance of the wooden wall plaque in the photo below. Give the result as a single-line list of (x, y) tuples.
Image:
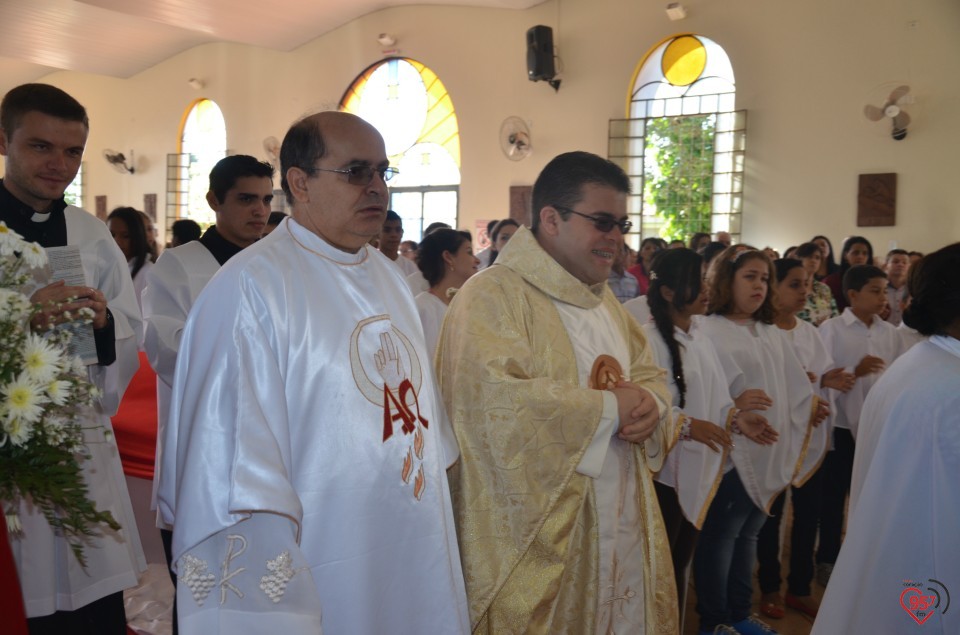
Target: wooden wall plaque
[(101, 207), (150, 206), (877, 200), (520, 201)]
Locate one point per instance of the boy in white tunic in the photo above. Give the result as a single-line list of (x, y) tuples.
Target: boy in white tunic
[(43, 134), (310, 468)]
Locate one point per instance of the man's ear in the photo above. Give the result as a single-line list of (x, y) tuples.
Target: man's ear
[(3, 142), (297, 181), (550, 220), (212, 201)]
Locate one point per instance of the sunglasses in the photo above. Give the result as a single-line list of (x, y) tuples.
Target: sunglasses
[(361, 174), (604, 224)]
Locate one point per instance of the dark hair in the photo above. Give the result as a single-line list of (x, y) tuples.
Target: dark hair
[(275, 218), (806, 250), (44, 98), (897, 252), (830, 258), (302, 146), (225, 173), (935, 292), (431, 250), (859, 275), (494, 252), (137, 233), (790, 252), (721, 285), (185, 230), (435, 226), (561, 182), (784, 266), (696, 238), (915, 253), (710, 251), (848, 244), (679, 271), (392, 215)]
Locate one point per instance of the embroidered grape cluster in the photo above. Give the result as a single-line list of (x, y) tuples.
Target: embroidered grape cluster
[(193, 573), (275, 584)]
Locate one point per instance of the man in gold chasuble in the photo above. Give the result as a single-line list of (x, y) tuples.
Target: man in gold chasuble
[(561, 416)]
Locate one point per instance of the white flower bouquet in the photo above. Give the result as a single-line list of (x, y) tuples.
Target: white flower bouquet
[(43, 395)]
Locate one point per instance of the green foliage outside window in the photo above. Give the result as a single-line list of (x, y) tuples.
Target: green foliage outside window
[(679, 179)]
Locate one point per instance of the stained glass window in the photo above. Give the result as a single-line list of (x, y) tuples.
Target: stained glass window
[(203, 142), (683, 144), (411, 108)]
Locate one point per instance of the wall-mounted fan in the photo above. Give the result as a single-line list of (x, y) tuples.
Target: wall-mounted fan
[(515, 139), (119, 161), (892, 109), (271, 145)]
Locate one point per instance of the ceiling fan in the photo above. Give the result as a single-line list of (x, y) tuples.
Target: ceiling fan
[(119, 161), (515, 139), (892, 109)]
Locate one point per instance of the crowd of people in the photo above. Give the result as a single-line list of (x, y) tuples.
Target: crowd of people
[(361, 434)]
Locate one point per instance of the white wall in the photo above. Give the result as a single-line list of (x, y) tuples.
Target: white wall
[(804, 70)]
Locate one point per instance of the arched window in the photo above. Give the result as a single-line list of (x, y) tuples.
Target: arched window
[(409, 105), (202, 142), (683, 144)]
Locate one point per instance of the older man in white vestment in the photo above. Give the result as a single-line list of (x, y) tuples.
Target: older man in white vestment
[(308, 436), (561, 416), (43, 131)]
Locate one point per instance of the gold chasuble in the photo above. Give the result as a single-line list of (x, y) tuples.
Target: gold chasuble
[(527, 520)]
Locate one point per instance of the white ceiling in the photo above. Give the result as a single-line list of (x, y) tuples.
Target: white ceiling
[(120, 38)]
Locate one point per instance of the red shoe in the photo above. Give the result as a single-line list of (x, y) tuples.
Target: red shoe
[(803, 603), (771, 605)]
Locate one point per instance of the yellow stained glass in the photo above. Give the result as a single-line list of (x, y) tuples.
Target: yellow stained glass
[(440, 124), (684, 60)]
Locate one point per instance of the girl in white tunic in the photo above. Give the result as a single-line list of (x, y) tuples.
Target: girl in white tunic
[(793, 278), (446, 260), (703, 410), (763, 373), (899, 567)]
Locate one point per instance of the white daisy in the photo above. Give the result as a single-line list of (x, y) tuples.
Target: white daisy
[(41, 360), (34, 255), (58, 391), (19, 431), (23, 402), (16, 305), (9, 240)]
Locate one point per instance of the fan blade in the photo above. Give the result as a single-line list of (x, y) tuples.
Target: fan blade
[(901, 121), (897, 93), (873, 113)]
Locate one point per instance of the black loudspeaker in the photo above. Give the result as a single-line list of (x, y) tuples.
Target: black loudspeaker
[(540, 53)]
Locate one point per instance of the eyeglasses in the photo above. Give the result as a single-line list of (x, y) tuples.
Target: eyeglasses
[(361, 174), (603, 224)]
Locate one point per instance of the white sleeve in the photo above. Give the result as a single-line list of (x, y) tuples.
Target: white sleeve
[(591, 463), (166, 303), (249, 578)]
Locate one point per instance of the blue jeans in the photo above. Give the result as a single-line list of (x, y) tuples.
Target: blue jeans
[(725, 556)]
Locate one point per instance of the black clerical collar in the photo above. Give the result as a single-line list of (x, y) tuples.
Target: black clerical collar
[(218, 246), (48, 229)]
